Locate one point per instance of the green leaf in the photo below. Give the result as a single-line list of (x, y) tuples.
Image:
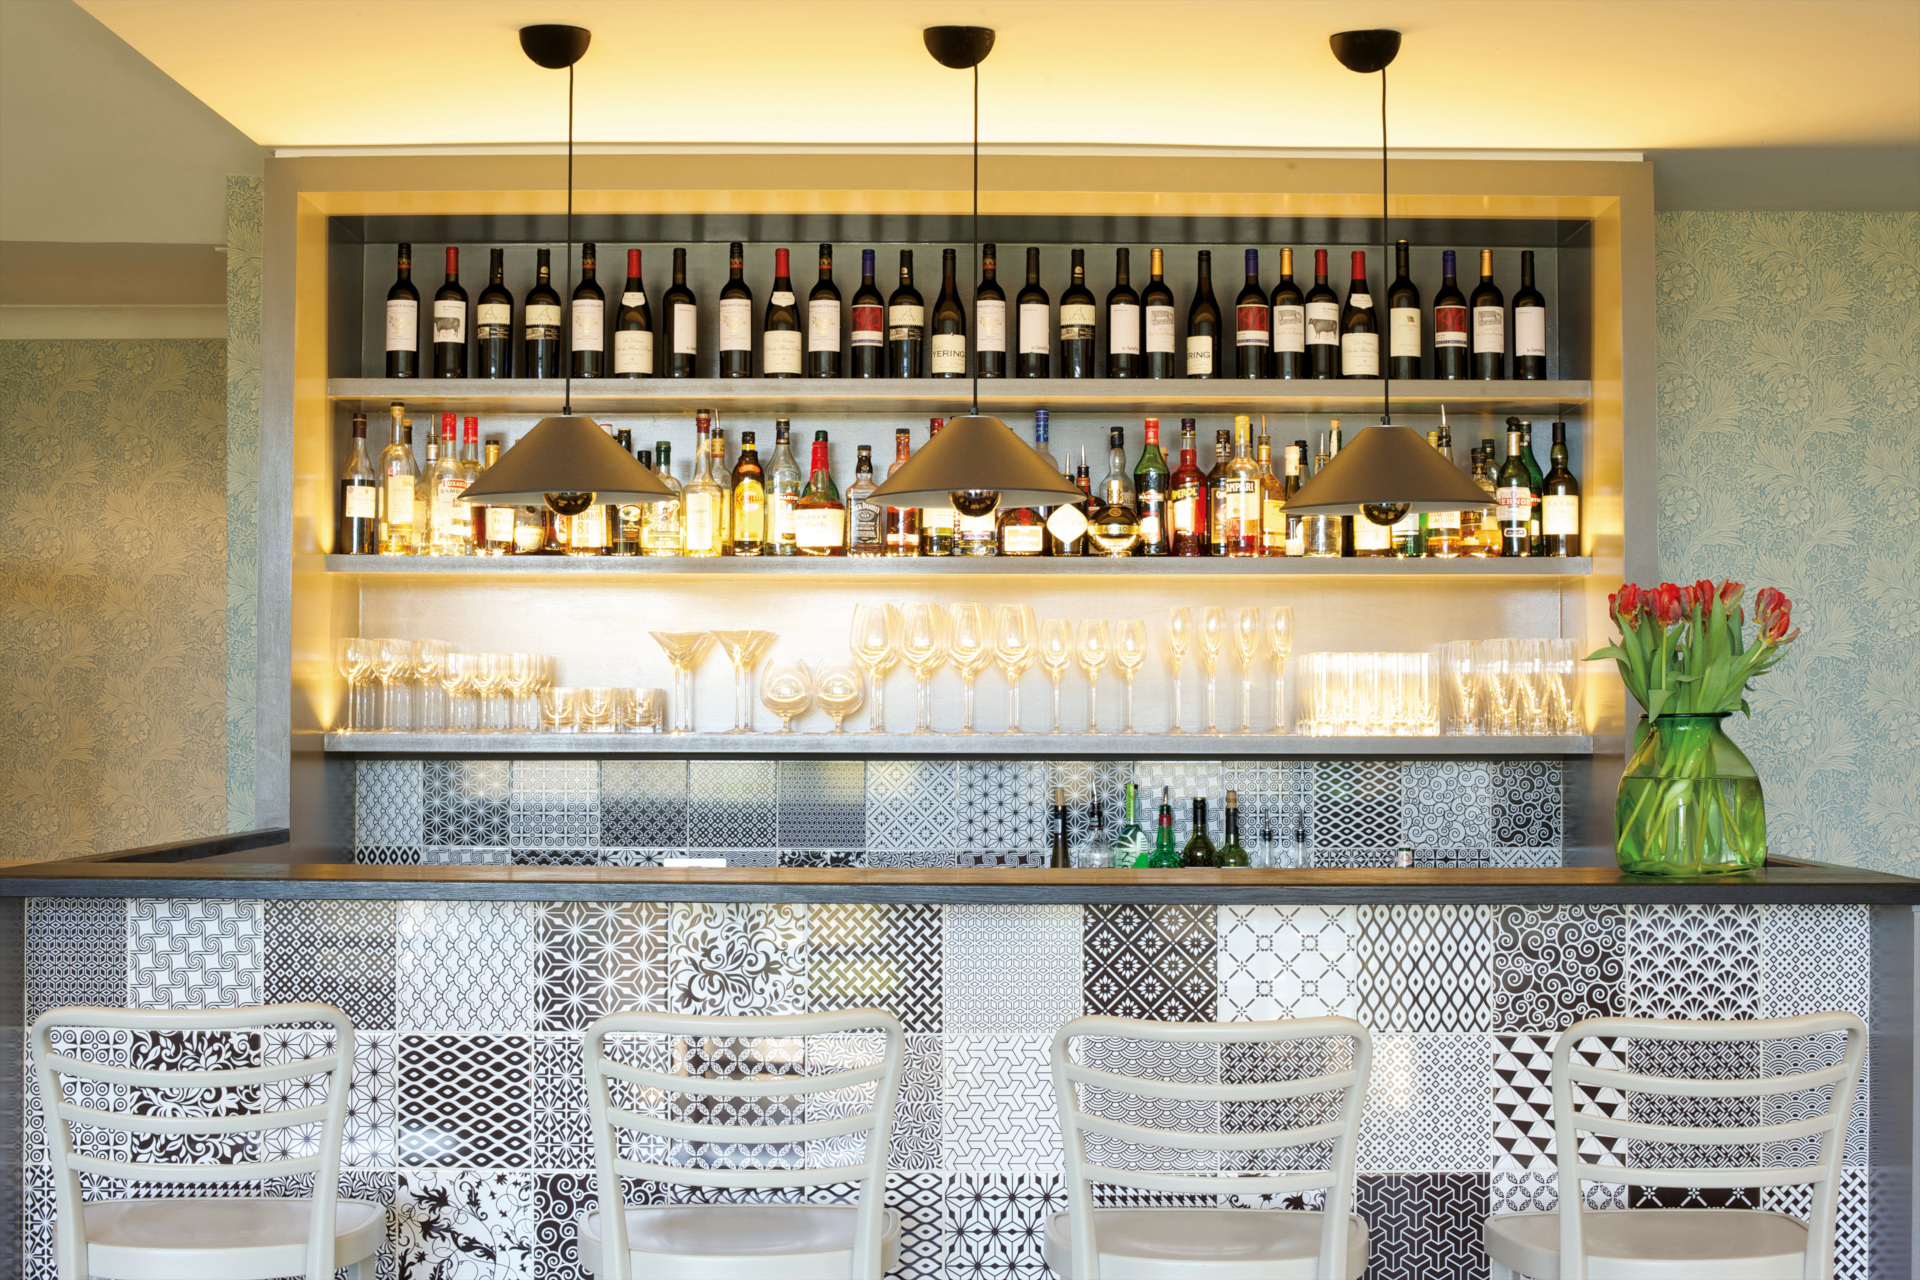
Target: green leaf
[(1746, 710), (1656, 699), (1613, 651)]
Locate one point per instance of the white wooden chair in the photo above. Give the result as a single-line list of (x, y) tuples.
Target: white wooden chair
[(729, 1242), (1210, 1244), (1578, 1243), (211, 1238)]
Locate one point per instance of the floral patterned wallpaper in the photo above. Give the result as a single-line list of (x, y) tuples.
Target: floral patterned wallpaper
[(1789, 431)]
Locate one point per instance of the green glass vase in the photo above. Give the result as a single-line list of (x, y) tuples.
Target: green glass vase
[(1689, 802)]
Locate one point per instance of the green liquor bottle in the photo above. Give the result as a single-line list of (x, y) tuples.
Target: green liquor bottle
[(1164, 854), (1151, 480), (1135, 846), (1231, 853), (1199, 851)]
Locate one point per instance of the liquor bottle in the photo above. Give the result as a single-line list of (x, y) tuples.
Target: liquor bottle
[(627, 522), (1273, 501), (403, 320), (1489, 324), (1514, 494), (680, 319), (1403, 318), (359, 533), (1133, 847), (660, 529), (976, 535), (1036, 323), (1067, 524), (947, 336), (1295, 466), (1242, 496), (1216, 479), (1187, 498), (1289, 323), (1529, 324), (1369, 540), (423, 493), (1537, 480), (781, 484), (450, 323), (1359, 327), (939, 526), (780, 330), (1164, 854), (1114, 526), (903, 523), (702, 513), (1442, 538), (633, 326), (1060, 858), (1232, 854), (1468, 541), (1406, 536), (823, 321), (1203, 325), (1252, 324), (1489, 521), (1323, 323), (723, 477), (749, 522), (588, 335), (493, 322), (1151, 482), (1023, 530), (542, 321), (736, 318), (1199, 851), (496, 524), (1078, 321), (867, 530), (399, 475), (1123, 321), (1559, 499), (471, 514), (990, 318), (819, 517), (1451, 357), (869, 324), (1324, 537), (906, 326)]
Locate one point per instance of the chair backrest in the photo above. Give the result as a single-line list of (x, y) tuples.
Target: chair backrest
[(50, 1066), (613, 1086), (1340, 1132), (1829, 1129)]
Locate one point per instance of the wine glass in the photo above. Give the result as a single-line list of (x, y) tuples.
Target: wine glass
[(876, 646), (1096, 645), (355, 656), (1013, 640), (1130, 654), (1280, 648), (1248, 624), (1213, 639), (523, 669), (969, 649), (492, 677), (424, 658), (743, 649), (390, 662), (1056, 655), (839, 690), (923, 643), (786, 687), (1179, 637), (684, 649)]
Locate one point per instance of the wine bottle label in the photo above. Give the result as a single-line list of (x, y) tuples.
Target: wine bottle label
[(1360, 355), (1076, 321), (1323, 324), (749, 511), (1199, 354), (1123, 323), (686, 329), (990, 324), (360, 502), (1360, 301), (499, 524), (529, 538), (780, 349), (633, 298), (1022, 539), (1290, 328), (976, 529), (1449, 326), (493, 320), (1160, 330), (869, 326), (403, 324), (1560, 515), (543, 322), (449, 320), (938, 519), (949, 353), (1403, 332), (1067, 523), (589, 324), (736, 324), (400, 501), (1368, 536), (1490, 330), (906, 316), (781, 298), (1515, 503), (819, 527), (1529, 332), (699, 522), (1034, 337), (1443, 520), (823, 325), (1407, 526), (869, 524), (632, 351), (1253, 325)]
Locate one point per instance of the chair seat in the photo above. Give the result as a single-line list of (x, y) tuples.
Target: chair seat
[(725, 1242), (1214, 1244), (1657, 1244), (221, 1239)]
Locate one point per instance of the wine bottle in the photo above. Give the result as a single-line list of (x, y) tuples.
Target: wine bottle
[(784, 482), (1403, 319), (542, 321), (1296, 474), (1151, 482), (749, 522), (1451, 355), (866, 531), (1078, 320), (403, 320), (1036, 322), (1289, 323), (903, 523), (1133, 846), (1489, 324), (1323, 323), (780, 332), (703, 514), (359, 499), (450, 323), (633, 326), (1252, 324), (1537, 480), (823, 321), (1123, 322), (736, 318), (869, 323), (1529, 324), (1187, 498), (1203, 325), (1199, 851), (589, 332), (948, 332), (990, 318), (1514, 498), (723, 476), (1359, 326), (626, 523), (1156, 303), (399, 476), (1232, 854), (493, 526), (906, 325), (493, 322), (1559, 498), (820, 517), (680, 317), (1060, 859), (1164, 854)]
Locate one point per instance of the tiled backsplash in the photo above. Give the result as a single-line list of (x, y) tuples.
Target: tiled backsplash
[(915, 813)]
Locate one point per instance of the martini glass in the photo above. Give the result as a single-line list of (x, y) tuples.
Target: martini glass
[(684, 649), (1179, 637), (923, 643), (1280, 648), (1013, 640), (1247, 627), (1213, 639), (876, 646), (1056, 655), (1130, 654), (969, 648), (743, 649)]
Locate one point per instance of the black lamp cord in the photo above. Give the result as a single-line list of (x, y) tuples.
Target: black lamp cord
[(976, 234), (566, 394), (1386, 361)]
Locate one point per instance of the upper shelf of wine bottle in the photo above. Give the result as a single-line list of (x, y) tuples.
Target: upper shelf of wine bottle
[(866, 568), (882, 395)]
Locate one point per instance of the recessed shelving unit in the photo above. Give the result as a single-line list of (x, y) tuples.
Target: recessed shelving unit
[(851, 568)]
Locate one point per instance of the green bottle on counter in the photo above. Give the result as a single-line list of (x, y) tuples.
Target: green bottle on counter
[(1135, 846), (1231, 853), (1164, 854), (1199, 851)]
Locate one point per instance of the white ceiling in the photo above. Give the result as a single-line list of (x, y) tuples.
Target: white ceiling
[(1507, 74)]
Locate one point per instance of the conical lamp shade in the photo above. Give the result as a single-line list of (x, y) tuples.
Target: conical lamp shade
[(977, 452), (566, 455), (1386, 466)]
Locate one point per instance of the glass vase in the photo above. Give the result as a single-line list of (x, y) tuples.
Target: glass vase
[(1689, 802)]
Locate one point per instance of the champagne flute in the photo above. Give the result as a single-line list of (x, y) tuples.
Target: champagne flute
[(876, 646), (1280, 648), (424, 658), (1096, 644), (684, 649), (839, 690), (969, 647), (389, 663), (1213, 639), (923, 643), (454, 670), (743, 649), (1459, 668), (1130, 654), (1056, 655), (523, 669), (1179, 637), (493, 677), (355, 656), (1248, 624), (1013, 639), (786, 687)]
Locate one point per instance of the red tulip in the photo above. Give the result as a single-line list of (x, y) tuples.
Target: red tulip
[(1668, 603), (1730, 592), (1625, 605), (1774, 613)]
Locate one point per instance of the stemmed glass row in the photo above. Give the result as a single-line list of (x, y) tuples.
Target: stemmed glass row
[(427, 686), (1251, 630)]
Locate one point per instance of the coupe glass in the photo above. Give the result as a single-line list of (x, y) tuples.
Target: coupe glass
[(1213, 640), (389, 666), (1179, 638), (1460, 675), (1247, 627), (356, 657), (1056, 655), (876, 646), (1279, 649), (1096, 645), (1130, 654), (786, 687), (1014, 632), (839, 689), (923, 643), (744, 649), (684, 649), (596, 709), (969, 648)]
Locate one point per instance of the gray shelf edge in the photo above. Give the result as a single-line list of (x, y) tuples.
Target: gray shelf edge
[(956, 567)]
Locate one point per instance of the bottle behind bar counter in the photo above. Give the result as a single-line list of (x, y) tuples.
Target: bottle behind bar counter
[(403, 320), (493, 322)]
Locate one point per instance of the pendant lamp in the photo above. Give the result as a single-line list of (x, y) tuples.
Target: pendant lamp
[(976, 462), (1384, 471), (567, 462)]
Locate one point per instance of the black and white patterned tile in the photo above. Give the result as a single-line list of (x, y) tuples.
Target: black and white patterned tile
[(1003, 806), (562, 1136), (732, 804), (554, 804), (464, 855), (465, 1224), (1356, 804), (596, 958), (1523, 858), (387, 855), (1287, 962), (1446, 804), (1424, 968), (1158, 962), (1852, 1238), (639, 857), (919, 1112), (1188, 1063), (1554, 965), (1523, 1138), (1526, 804), (913, 813), (1010, 970), (1538, 1191), (876, 955), (1802, 1054), (1269, 1062), (996, 1224), (194, 1051), (997, 1105), (465, 802), (388, 804), (371, 1095), (590, 857), (190, 954), (643, 803), (1182, 782), (76, 953), (1815, 959), (1425, 1226), (1693, 1060), (822, 858), (103, 1046), (825, 1054), (823, 804), (462, 1101), (920, 1198), (1688, 961), (339, 953), (1427, 1105), (1344, 858), (737, 959), (725, 1058), (465, 966)]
